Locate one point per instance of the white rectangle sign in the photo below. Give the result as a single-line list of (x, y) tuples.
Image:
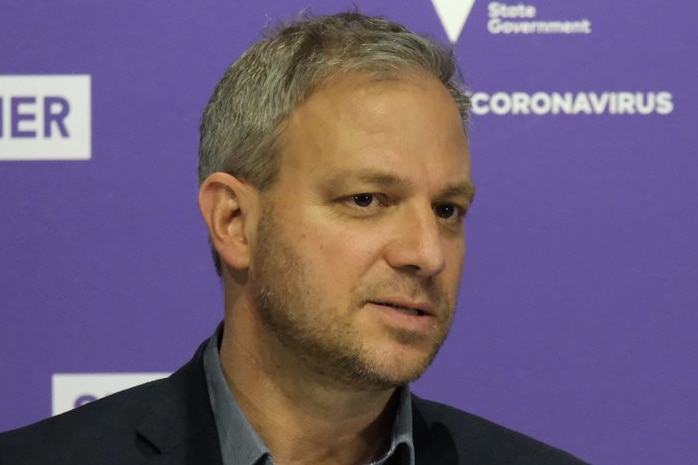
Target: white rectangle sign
[(45, 117), (70, 390)]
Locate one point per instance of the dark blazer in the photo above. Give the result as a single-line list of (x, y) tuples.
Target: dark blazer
[(170, 422)]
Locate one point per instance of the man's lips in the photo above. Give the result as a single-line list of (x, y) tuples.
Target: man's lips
[(406, 307)]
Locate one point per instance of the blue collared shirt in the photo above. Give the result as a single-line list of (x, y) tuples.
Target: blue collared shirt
[(240, 443)]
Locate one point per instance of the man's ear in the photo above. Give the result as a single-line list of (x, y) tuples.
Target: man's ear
[(229, 207)]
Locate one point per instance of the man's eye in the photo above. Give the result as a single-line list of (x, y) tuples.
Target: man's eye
[(364, 200), (448, 211)]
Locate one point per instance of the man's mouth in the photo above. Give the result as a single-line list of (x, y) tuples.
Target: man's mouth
[(408, 310)]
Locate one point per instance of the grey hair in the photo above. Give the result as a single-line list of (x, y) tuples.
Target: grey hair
[(241, 124)]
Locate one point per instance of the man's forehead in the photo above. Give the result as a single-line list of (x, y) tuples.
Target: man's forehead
[(390, 133), (340, 92)]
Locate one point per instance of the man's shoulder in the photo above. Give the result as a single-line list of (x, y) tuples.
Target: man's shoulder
[(446, 435), (125, 427), (82, 431)]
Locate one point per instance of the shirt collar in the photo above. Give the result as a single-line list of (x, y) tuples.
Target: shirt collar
[(402, 432), (240, 443)]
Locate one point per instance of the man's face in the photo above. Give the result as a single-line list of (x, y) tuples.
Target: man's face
[(358, 255)]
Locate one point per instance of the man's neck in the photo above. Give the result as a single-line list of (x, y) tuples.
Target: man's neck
[(301, 416)]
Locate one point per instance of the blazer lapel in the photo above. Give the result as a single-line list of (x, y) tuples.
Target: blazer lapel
[(180, 428)]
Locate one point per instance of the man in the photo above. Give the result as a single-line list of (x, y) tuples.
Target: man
[(335, 177)]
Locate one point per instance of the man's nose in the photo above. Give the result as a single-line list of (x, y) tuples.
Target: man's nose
[(417, 245)]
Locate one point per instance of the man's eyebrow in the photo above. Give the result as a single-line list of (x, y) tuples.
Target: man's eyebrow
[(464, 188), (343, 180)]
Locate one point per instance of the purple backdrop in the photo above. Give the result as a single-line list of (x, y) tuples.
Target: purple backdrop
[(577, 320)]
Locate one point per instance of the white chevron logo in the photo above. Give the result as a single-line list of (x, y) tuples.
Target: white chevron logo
[(453, 15)]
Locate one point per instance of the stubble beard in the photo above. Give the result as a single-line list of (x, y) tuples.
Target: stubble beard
[(284, 292)]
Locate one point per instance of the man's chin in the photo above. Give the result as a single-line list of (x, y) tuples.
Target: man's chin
[(398, 368)]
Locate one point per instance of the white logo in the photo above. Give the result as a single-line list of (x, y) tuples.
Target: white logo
[(45, 117), (573, 103), (70, 390), (453, 15), (522, 19), (506, 19)]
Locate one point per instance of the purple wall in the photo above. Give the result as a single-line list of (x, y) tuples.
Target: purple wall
[(577, 321)]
